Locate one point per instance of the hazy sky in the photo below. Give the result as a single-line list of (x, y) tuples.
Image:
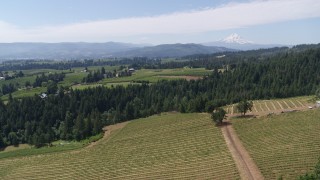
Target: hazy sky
[(159, 21)]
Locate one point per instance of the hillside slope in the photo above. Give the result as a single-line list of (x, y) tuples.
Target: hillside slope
[(172, 50), (62, 50), (82, 50), (284, 145), (167, 146)]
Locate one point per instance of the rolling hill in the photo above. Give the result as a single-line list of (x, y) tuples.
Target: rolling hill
[(166, 146), (62, 50), (172, 50), (83, 50)]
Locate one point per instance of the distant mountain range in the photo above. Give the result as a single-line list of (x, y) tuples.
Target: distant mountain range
[(100, 50), (62, 50), (172, 50), (84, 50)]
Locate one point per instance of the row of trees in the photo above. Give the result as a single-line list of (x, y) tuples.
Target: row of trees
[(219, 114), (64, 65), (56, 77), (98, 75)]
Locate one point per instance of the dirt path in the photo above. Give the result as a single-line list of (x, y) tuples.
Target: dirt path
[(188, 78), (247, 168)]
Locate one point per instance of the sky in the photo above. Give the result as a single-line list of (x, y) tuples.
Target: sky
[(287, 22)]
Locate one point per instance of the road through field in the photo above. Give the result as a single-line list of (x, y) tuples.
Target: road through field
[(247, 168)]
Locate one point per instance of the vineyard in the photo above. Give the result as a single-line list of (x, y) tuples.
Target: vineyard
[(166, 146), (284, 145), (276, 105)]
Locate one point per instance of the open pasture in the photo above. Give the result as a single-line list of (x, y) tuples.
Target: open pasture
[(24, 93), (154, 75)]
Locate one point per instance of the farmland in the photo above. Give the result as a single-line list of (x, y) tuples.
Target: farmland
[(160, 74), (74, 78), (277, 138), (263, 107), (174, 145), (166, 146), (284, 145)]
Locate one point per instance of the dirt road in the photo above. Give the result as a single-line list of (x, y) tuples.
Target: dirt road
[(247, 168)]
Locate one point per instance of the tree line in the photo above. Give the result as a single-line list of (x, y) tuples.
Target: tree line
[(50, 81), (98, 75), (56, 77)]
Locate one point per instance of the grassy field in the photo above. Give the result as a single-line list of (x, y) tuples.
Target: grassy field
[(21, 81), (167, 146), (282, 145), (57, 146), (24, 93), (28, 151), (275, 105), (35, 72), (151, 75), (154, 75)]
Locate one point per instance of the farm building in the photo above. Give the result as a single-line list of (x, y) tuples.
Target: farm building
[(2, 78), (317, 104), (131, 70), (43, 95)]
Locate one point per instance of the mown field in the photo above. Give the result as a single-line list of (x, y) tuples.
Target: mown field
[(284, 145), (153, 75), (275, 105), (167, 146)]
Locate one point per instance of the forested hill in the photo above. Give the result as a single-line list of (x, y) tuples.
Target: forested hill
[(172, 50), (100, 50), (75, 114)]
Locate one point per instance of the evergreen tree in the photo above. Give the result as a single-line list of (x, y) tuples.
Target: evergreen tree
[(67, 127), (96, 121), (52, 87), (2, 143), (79, 128)]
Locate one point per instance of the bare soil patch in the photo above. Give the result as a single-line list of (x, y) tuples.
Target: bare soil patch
[(183, 77)]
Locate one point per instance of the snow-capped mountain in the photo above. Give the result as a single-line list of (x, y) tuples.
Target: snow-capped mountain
[(235, 38), (235, 41)]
